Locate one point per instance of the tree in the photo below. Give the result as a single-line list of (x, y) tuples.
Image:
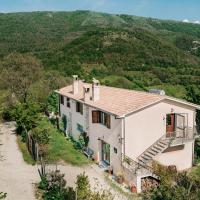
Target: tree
[(26, 115), (18, 73), (174, 185), (43, 88), (193, 95)]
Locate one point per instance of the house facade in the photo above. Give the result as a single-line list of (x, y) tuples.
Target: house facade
[(128, 129)]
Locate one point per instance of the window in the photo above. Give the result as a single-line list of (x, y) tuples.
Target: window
[(79, 107), (115, 150), (62, 99), (101, 117), (80, 128), (68, 102)]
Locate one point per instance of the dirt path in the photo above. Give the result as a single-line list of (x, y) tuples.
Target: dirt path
[(16, 177), (96, 178)]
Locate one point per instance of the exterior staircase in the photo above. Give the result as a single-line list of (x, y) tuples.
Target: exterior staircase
[(148, 155), (142, 166)]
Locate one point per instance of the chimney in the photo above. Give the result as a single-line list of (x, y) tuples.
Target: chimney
[(95, 90), (86, 93), (75, 84)]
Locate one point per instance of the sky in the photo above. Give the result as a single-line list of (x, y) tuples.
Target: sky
[(188, 10)]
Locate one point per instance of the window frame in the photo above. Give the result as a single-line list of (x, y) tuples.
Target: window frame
[(62, 100), (115, 150), (101, 117), (79, 107), (68, 103)]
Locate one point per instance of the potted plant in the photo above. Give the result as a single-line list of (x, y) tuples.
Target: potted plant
[(120, 178), (133, 188), (110, 170)]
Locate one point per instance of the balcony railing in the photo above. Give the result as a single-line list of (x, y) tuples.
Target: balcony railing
[(181, 136), (178, 137), (134, 166)]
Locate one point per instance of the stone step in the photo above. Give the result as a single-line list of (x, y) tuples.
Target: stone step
[(146, 157), (156, 149), (163, 142), (161, 145), (152, 152)]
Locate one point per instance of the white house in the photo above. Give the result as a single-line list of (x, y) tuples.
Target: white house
[(128, 129)]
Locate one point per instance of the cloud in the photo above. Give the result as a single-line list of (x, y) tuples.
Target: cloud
[(193, 22), (197, 22), (186, 21)]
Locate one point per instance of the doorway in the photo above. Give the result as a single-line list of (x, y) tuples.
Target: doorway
[(106, 153), (170, 125)]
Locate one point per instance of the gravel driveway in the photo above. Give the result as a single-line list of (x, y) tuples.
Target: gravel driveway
[(17, 178)]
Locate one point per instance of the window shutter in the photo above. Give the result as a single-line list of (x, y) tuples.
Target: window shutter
[(81, 108), (107, 119), (95, 116)]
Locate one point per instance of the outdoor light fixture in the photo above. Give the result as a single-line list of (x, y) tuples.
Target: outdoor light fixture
[(100, 138)]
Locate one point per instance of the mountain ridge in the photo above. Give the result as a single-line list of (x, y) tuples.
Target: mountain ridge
[(123, 47)]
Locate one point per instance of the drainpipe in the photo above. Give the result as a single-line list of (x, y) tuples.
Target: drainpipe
[(123, 137), (194, 132)]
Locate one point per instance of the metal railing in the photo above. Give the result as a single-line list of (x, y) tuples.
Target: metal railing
[(134, 166), (178, 137), (181, 136)]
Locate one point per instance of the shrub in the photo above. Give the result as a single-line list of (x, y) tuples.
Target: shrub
[(83, 187), (54, 186), (3, 195), (41, 135), (26, 115), (174, 185)]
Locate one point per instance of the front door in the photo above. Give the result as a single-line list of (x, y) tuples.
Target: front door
[(170, 125), (106, 152)]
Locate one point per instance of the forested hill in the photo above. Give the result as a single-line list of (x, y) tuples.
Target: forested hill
[(121, 50)]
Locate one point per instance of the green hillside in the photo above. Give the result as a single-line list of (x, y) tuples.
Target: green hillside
[(120, 50)]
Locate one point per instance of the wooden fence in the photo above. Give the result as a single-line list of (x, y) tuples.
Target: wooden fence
[(33, 146)]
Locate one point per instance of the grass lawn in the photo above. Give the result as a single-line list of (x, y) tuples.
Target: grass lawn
[(62, 149), (25, 153), (59, 148)]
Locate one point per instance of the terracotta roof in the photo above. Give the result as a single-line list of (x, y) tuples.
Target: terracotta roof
[(114, 100), (118, 101)]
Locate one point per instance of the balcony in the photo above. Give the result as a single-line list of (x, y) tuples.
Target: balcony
[(181, 136)]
